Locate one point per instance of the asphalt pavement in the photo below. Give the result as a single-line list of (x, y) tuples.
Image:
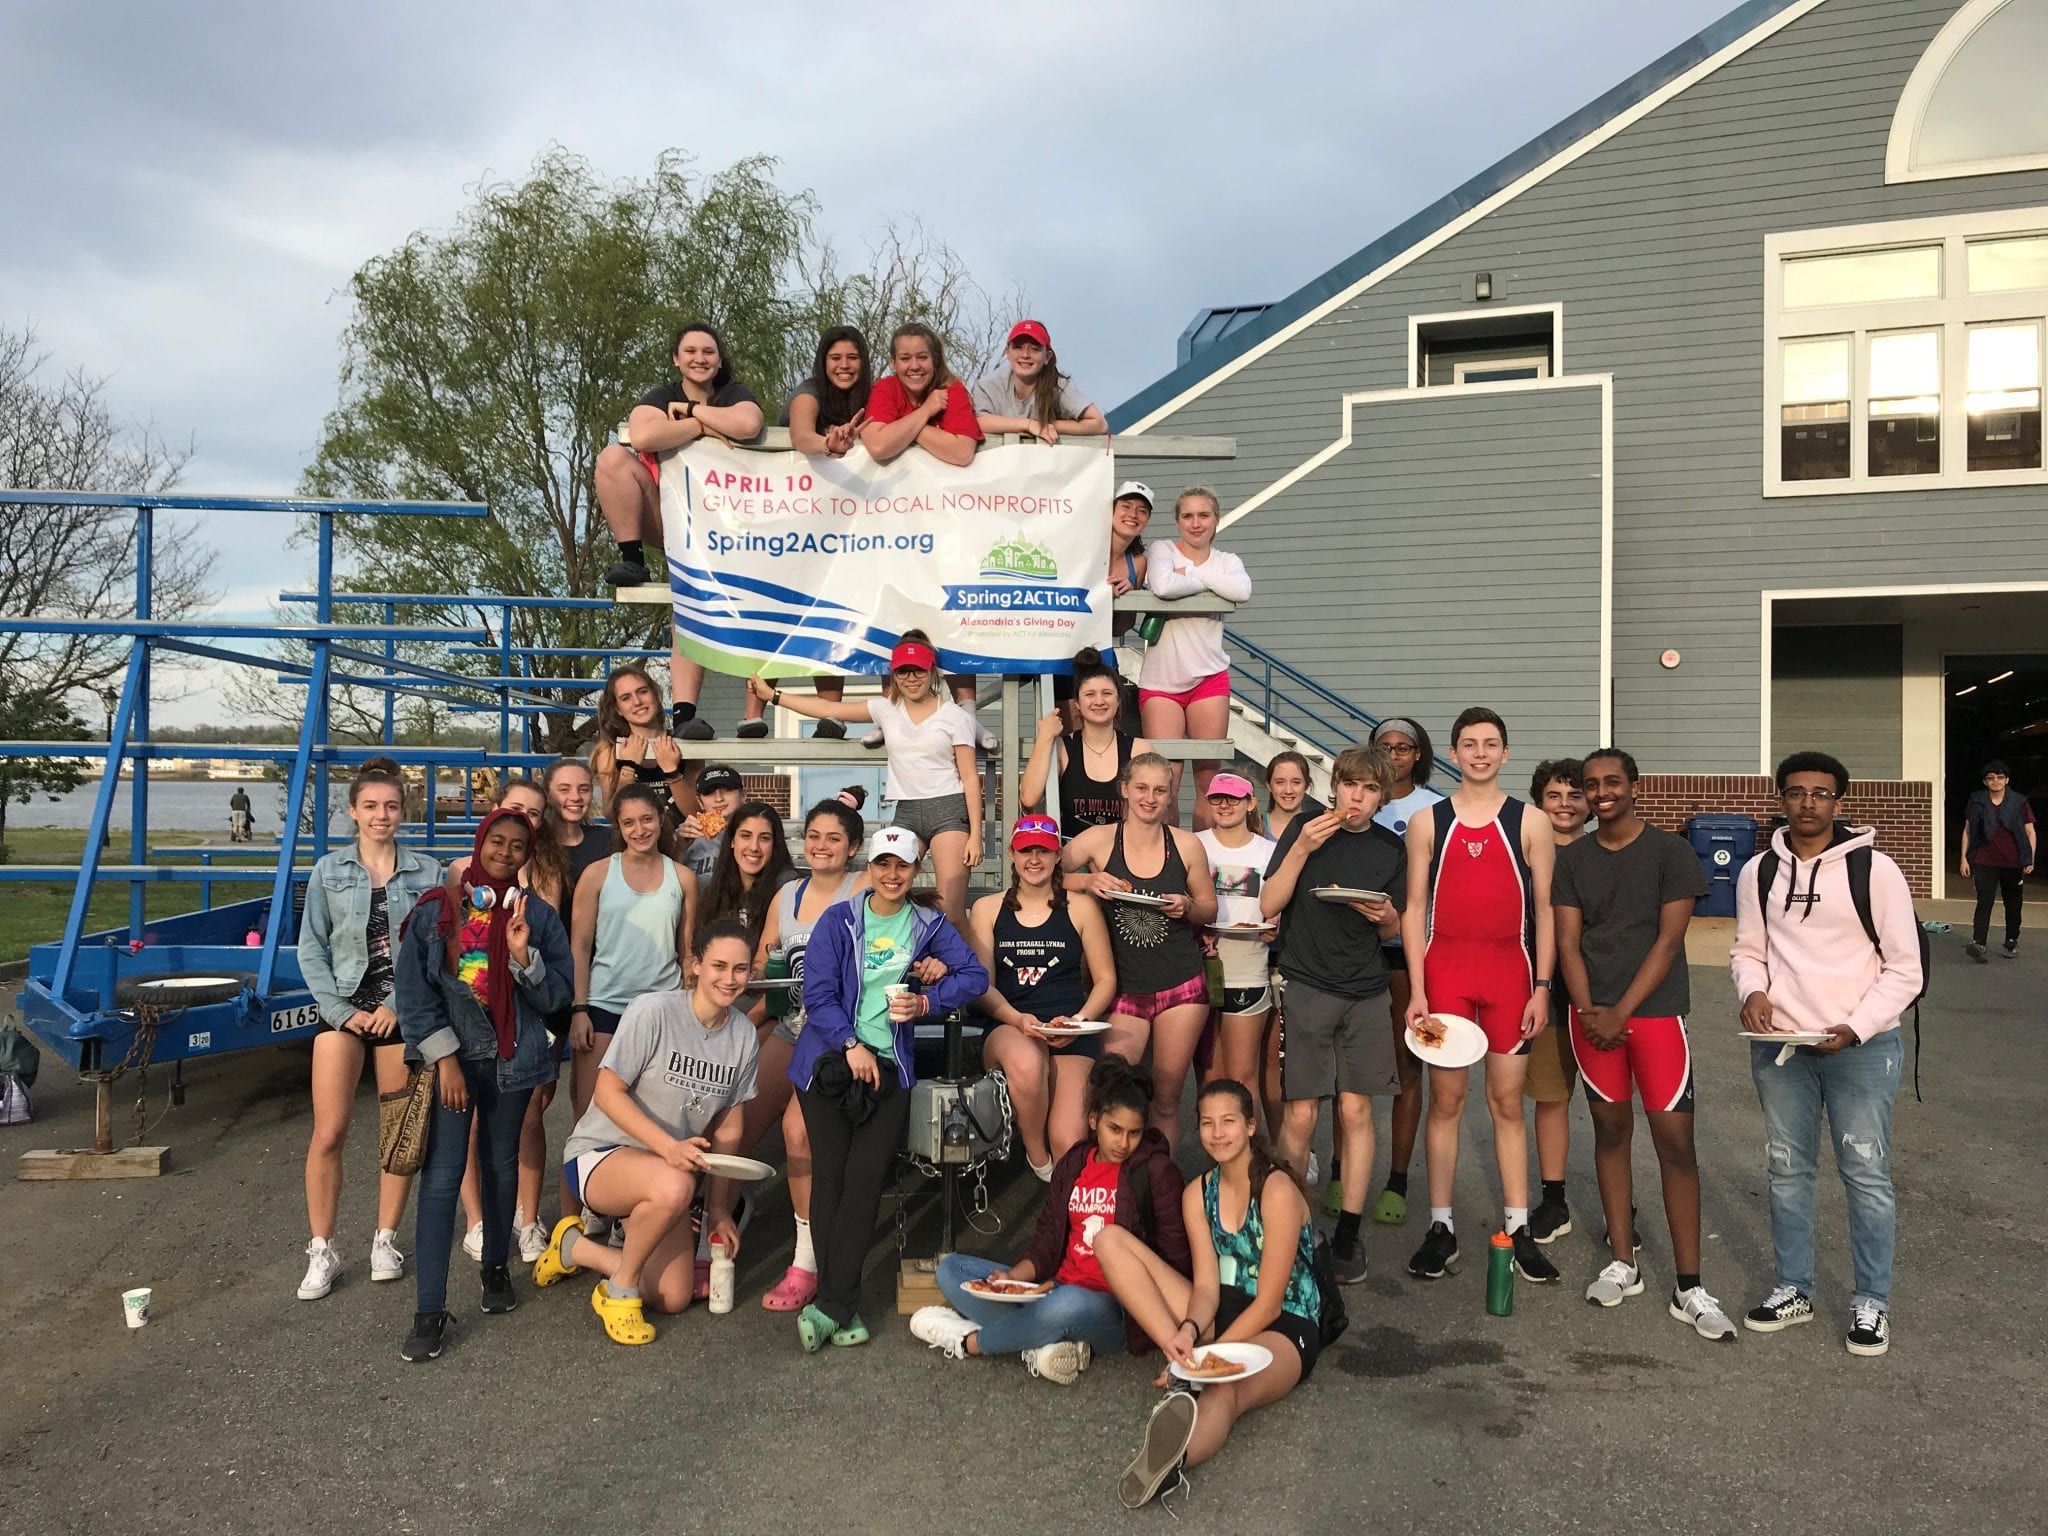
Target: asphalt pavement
[(241, 1408)]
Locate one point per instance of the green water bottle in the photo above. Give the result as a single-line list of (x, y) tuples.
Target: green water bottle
[(1500, 1276), (778, 998), (1151, 627)]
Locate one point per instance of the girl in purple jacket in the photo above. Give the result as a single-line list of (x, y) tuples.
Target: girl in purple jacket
[(875, 965), (1122, 1176)]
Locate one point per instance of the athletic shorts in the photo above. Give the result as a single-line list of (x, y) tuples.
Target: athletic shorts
[(603, 1020), (1149, 1005), (578, 1169), (1215, 686), (1551, 1066), (652, 464), (1238, 1002), (1487, 983), (1336, 1044), (1655, 1053), (928, 818), (1305, 1336)]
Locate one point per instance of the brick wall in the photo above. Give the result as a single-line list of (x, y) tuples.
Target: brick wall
[(1901, 810), (775, 788)]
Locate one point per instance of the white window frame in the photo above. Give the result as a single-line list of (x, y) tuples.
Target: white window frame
[(1484, 312), (1952, 315), (1540, 361), (1919, 92)]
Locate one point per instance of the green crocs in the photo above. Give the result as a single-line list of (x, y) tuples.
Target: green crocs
[(855, 1332), (1391, 1210), (813, 1328), (1333, 1197)]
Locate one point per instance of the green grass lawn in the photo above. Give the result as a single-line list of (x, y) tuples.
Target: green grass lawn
[(33, 912)]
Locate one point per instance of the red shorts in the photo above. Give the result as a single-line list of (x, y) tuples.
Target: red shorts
[(1655, 1053), (1215, 686), (1487, 983), (1149, 1005), (653, 467)]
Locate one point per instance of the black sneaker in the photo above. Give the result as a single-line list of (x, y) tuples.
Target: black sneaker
[(498, 1295), (1871, 1333), (429, 1333), (751, 729), (692, 729), (2012, 949), (830, 730), (1781, 1309), (1550, 1220), (1976, 952), (1530, 1262), (626, 573), (1635, 1221), (1348, 1260), (1438, 1255), (1159, 1459)]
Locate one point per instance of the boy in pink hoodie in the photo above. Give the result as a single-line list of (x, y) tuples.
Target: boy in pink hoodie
[(1804, 964)]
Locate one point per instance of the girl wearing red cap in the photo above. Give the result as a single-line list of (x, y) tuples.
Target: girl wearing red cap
[(1049, 960), (931, 743), (1184, 686), (479, 969), (1032, 396)]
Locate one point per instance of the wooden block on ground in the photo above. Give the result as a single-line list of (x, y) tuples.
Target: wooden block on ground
[(917, 1285), (84, 1163)]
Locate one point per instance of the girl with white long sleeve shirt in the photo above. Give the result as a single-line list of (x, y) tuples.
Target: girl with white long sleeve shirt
[(1184, 685)]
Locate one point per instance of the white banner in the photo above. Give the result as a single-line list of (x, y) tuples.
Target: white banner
[(788, 565)]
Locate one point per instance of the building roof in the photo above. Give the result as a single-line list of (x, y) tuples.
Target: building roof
[(1240, 335), (1212, 325)]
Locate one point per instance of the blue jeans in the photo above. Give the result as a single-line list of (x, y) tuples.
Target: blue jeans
[(1066, 1312), (1856, 1087), (498, 1114)]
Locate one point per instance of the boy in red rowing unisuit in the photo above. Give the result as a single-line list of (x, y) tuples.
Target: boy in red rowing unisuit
[(1477, 932)]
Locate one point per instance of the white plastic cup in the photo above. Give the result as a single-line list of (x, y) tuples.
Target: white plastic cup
[(135, 1306), (892, 993)]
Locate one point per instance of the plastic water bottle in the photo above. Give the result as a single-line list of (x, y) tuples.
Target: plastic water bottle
[(723, 1277), (1151, 627), (1500, 1276)]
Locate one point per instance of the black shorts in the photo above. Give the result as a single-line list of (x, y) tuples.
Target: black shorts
[(1305, 1336), (603, 1020)]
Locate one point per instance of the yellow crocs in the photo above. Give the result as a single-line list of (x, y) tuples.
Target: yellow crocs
[(551, 1266), (621, 1316)]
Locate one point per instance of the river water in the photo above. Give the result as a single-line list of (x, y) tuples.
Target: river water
[(174, 805)]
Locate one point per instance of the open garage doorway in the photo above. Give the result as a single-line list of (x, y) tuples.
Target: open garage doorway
[(1997, 707)]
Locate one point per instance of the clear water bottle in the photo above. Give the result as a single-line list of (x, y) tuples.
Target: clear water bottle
[(723, 1277)]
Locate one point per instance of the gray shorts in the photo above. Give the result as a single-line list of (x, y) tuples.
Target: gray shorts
[(1336, 1045), (928, 818)]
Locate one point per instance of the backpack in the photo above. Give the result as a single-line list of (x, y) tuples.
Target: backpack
[(1332, 1319), (19, 1063), (1858, 863)]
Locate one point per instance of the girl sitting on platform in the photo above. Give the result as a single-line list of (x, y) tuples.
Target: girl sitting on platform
[(1184, 685), (634, 746), (1031, 395), (1088, 764)]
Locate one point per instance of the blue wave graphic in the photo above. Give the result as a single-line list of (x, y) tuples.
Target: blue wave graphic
[(755, 585)]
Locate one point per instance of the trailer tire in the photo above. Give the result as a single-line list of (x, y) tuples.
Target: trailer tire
[(182, 989)]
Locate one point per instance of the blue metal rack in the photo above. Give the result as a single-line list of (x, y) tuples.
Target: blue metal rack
[(1289, 700)]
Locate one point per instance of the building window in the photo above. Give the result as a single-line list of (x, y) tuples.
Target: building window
[(1483, 345), (1814, 420), (1500, 370), (1906, 355), (2003, 407), (1974, 106)]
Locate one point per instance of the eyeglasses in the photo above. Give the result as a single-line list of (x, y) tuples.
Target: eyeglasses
[(1408, 751), (1818, 796)]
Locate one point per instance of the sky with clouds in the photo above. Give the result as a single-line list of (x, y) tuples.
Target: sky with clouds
[(189, 187)]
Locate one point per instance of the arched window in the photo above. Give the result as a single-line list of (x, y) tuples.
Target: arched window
[(1975, 104)]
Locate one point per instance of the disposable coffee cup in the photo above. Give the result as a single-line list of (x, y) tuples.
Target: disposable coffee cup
[(135, 1306), (892, 993)]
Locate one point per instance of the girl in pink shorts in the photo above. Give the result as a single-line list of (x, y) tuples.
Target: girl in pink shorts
[(1184, 685)]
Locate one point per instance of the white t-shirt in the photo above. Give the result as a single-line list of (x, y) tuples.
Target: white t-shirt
[(1239, 873), (1191, 647), (921, 765), (1396, 814)]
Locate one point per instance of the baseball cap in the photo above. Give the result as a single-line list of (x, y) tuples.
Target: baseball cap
[(913, 653), (1136, 488), (1032, 329), (1035, 832), (898, 842), (1236, 786), (718, 776)]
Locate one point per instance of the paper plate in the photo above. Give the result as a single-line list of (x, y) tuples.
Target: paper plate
[(1074, 1029), (745, 1169), (1007, 1298), (774, 983), (1464, 1043), (1253, 1358), (1347, 893), (1244, 930), (1138, 898), (1773, 1037)]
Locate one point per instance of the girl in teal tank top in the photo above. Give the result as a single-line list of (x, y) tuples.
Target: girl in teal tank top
[(1237, 1255)]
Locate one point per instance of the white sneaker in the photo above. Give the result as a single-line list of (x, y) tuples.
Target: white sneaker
[(944, 1329), (1703, 1312), (985, 738), (386, 1262), (1060, 1362), (473, 1242), (532, 1242), (873, 738), (1613, 1283), (1314, 1176), (323, 1263)]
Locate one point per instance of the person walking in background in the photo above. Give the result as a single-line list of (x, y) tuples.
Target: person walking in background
[(1999, 844), (242, 816), (1826, 945)]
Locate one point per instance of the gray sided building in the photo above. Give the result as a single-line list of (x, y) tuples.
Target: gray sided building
[(1710, 424)]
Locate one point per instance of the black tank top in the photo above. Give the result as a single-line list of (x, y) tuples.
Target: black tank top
[(1154, 952), (1086, 802), (648, 772), (1041, 971)]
